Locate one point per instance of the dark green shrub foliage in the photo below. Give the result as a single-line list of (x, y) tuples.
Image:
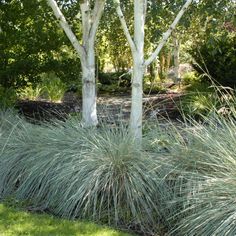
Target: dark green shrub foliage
[(119, 78), (31, 44), (216, 55), (8, 97)]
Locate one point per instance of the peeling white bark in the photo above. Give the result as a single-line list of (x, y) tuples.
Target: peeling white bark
[(90, 22), (89, 115), (138, 70)]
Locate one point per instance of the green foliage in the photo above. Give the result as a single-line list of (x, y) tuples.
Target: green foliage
[(15, 222), (30, 93), (153, 88), (199, 104), (202, 100), (118, 82), (216, 56), (32, 43), (53, 88), (191, 78), (8, 97), (183, 179), (122, 79)]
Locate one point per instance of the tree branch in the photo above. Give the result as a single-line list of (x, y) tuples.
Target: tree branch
[(96, 16), (86, 19), (65, 26), (167, 34), (124, 26)]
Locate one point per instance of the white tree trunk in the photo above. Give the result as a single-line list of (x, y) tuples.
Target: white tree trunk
[(66, 27), (138, 70), (90, 21), (137, 99), (89, 114), (176, 56)]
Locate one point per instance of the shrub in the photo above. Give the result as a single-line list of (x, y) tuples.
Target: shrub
[(153, 88), (53, 88), (8, 97), (30, 93), (190, 78), (201, 99), (199, 104), (216, 55), (122, 79)]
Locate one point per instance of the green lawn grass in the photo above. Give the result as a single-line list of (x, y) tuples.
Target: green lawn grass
[(19, 223)]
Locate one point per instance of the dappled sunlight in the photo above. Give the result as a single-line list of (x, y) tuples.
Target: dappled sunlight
[(13, 222)]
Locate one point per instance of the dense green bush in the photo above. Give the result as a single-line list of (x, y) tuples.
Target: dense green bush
[(203, 99), (216, 55), (8, 97), (118, 82), (31, 44), (122, 79), (53, 88), (30, 93)]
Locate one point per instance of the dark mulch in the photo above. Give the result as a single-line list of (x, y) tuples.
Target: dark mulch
[(158, 106)]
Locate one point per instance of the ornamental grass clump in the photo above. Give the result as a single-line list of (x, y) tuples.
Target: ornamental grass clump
[(207, 162), (112, 181), (87, 173)]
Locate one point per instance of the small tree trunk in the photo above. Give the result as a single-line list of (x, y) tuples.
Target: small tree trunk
[(90, 21), (137, 48), (138, 70), (137, 99), (89, 116), (176, 56)]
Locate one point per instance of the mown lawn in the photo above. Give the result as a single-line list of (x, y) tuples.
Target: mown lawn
[(19, 223)]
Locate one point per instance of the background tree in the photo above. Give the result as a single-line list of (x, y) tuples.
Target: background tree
[(91, 13), (213, 44), (32, 44), (139, 63)]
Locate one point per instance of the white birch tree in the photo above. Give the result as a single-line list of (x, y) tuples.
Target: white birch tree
[(139, 63), (90, 20)]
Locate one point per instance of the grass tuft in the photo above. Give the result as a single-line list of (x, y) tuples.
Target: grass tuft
[(207, 163)]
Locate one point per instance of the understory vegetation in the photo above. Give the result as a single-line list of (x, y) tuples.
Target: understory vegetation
[(182, 181)]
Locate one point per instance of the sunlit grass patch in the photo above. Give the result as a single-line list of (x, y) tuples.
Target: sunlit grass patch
[(16, 222)]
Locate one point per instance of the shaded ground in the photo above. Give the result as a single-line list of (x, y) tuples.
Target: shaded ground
[(109, 108)]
